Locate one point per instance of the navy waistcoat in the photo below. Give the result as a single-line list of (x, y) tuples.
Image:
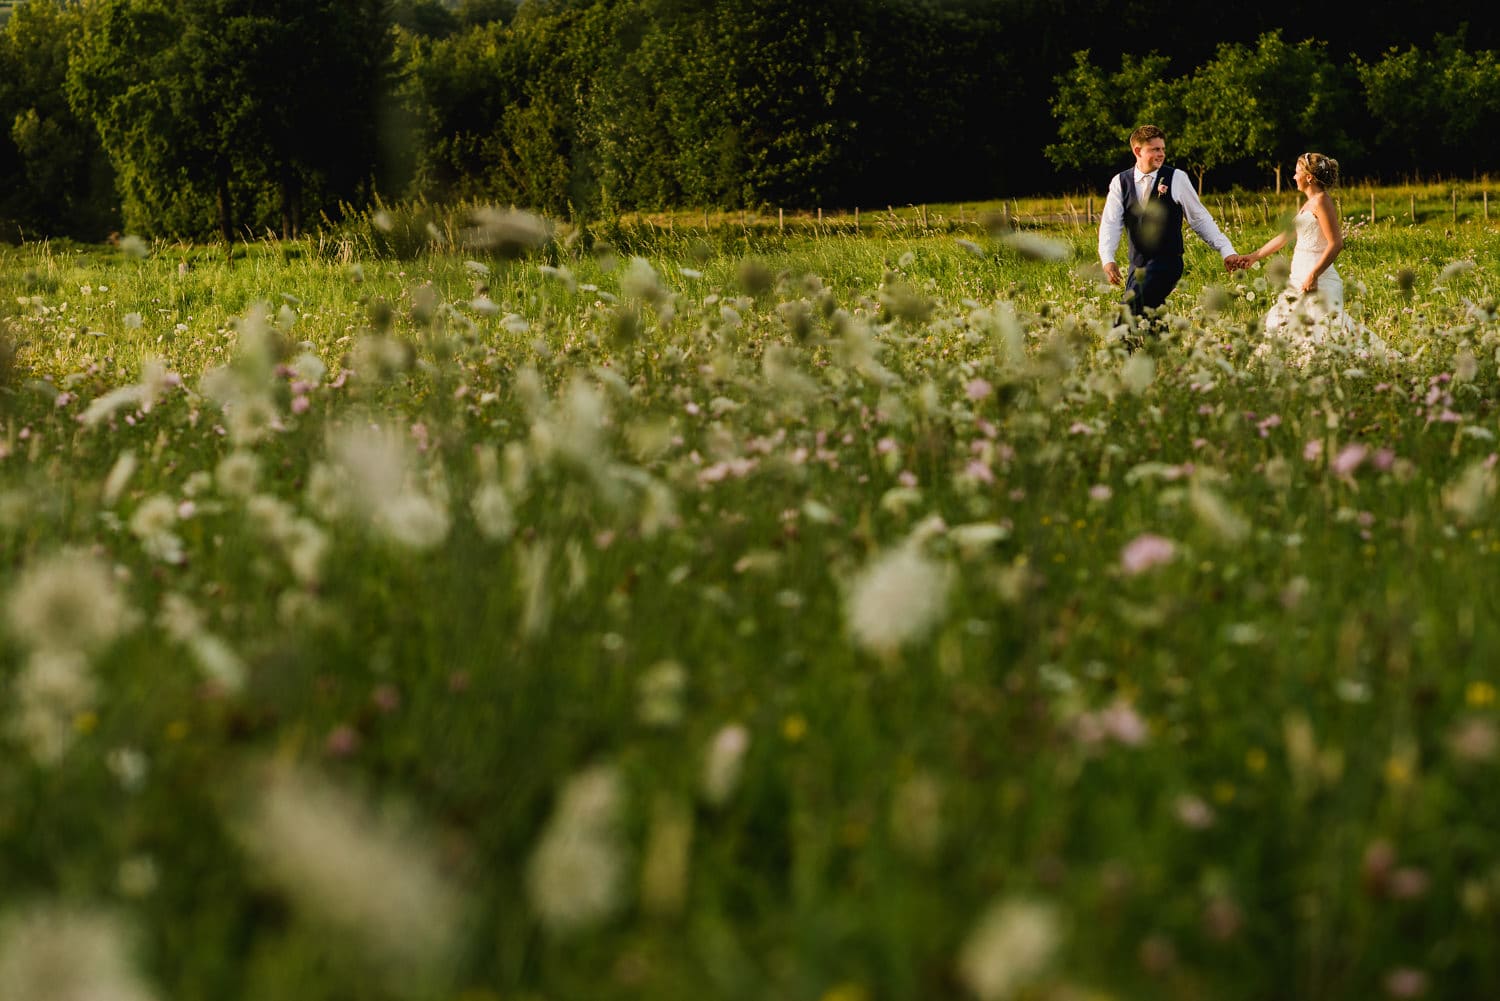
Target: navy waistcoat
[(1155, 228)]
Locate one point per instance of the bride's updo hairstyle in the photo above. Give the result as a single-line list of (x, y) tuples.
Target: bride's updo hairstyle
[(1324, 169)]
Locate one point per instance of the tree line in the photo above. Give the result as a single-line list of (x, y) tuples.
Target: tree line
[(197, 118)]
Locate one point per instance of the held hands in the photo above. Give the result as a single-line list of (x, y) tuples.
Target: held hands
[(1112, 272), (1238, 262)]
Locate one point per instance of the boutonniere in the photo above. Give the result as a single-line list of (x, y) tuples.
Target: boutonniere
[(1161, 189)]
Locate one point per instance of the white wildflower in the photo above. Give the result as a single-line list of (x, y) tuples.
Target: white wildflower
[(52, 953), (50, 694), (899, 597), (134, 247), (305, 545), (414, 520), (1037, 247), (1471, 491), (309, 367), (493, 514), (534, 565), (68, 601), (374, 461), (660, 693), (218, 661), (353, 869), (152, 523), (641, 282), (1227, 525), (1138, 372), (575, 877), (1010, 948), (723, 763), (119, 476)]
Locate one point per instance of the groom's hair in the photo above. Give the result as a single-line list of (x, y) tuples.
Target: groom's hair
[(1144, 134)]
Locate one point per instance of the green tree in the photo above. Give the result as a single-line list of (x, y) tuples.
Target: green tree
[(1096, 111), (1437, 107), (58, 179), (1267, 104), (221, 108)]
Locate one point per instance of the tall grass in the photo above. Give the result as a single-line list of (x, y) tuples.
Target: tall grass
[(836, 617)]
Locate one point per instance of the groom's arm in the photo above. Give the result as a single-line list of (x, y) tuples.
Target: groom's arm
[(1111, 228), (1198, 218)]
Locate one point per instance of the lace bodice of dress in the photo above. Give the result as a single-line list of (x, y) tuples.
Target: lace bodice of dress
[(1310, 239)]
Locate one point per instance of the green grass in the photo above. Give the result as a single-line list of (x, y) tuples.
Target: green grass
[(622, 514)]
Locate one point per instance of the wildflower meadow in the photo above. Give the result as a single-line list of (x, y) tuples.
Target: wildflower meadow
[(490, 609)]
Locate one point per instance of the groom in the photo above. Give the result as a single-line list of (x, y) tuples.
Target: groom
[(1148, 202)]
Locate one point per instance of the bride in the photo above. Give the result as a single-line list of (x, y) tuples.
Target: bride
[(1312, 305)]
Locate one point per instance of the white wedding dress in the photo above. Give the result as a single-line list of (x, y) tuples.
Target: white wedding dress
[(1308, 318)]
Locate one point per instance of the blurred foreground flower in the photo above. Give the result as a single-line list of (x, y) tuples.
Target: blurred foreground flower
[(353, 869), (1011, 947), (575, 878), (1144, 552), (54, 954), (507, 232), (68, 601), (1037, 247), (724, 762), (899, 597)]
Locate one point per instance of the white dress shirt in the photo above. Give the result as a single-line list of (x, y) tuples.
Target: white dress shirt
[(1112, 222)]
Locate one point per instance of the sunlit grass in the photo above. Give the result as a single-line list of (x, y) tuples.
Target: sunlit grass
[(775, 615)]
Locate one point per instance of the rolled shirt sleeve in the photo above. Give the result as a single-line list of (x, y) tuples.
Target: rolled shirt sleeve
[(1198, 218), (1111, 223)]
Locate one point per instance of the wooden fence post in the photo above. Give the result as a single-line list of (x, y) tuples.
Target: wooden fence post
[(1455, 206), (780, 220), (1372, 205), (1412, 209), (856, 219)]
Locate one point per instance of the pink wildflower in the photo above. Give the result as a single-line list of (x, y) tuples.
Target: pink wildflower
[(1144, 552), (1349, 459)]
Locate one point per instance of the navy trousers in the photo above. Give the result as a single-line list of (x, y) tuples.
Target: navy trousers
[(1149, 287)]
